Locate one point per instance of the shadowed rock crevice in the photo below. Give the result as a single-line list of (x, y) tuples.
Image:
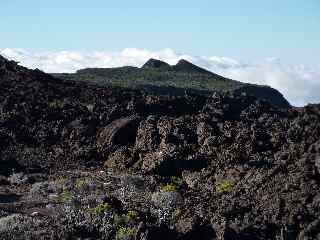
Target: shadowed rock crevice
[(120, 132)]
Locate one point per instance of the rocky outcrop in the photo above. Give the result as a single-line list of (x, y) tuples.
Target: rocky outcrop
[(154, 63), (187, 67), (121, 132), (264, 92)]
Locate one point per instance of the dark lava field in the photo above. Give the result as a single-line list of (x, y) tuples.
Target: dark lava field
[(85, 161)]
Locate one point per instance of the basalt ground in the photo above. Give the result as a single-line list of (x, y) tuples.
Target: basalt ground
[(82, 161)]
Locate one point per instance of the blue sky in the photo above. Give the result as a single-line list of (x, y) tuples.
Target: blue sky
[(272, 42), (242, 29)]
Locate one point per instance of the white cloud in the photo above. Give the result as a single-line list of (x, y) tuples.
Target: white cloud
[(299, 84)]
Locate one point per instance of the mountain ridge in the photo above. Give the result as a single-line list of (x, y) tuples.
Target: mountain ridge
[(183, 75), (155, 63)]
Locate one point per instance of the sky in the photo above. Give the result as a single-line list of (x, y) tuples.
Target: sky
[(270, 42)]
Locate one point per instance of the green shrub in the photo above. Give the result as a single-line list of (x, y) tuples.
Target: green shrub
[(173, 184), (65, 196), (176, 180), (225, 187), (177, 213), (56, 104), (81, 183), (132, 215), (169, 187), (126, 233), (101, 208), (62, 179), (118, 219)]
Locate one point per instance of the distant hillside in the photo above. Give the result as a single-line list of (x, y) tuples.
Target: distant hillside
[(159, 77)]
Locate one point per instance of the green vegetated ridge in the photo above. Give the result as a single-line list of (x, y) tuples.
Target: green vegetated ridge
[(159, 77)]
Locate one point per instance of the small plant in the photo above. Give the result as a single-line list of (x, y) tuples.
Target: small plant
[(65, 196), (173, 184), (176, 180), (56, 104), (62, 179), (81, 183), (126, 233), (169, 187), (225, 187), (118, 220), (101, 208), (132, 215), (90, 107), (177, 213)]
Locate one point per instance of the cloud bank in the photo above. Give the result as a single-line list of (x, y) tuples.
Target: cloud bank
[(300, 84)]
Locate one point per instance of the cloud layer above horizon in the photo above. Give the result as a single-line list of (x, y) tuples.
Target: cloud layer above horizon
[(300, 84)]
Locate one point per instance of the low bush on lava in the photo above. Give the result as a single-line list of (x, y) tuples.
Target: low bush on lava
[(225, 186)]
